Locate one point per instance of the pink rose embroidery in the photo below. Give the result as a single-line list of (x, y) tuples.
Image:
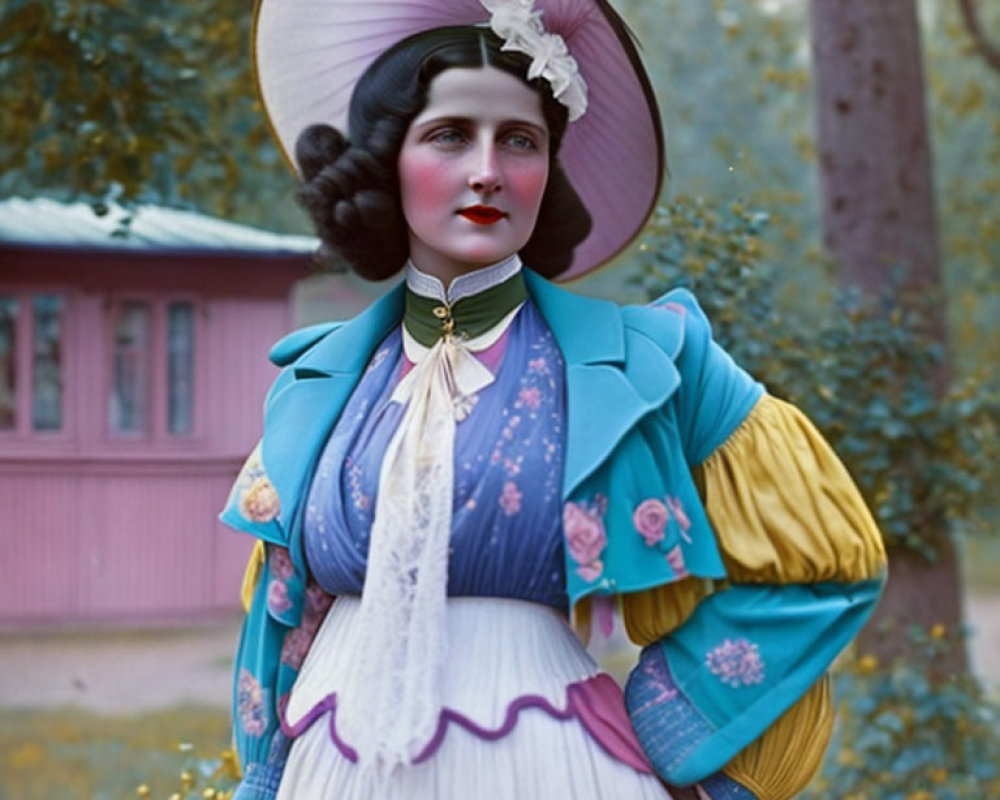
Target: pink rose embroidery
[(537, 364), (585, 536), (675, 558), (277, 597), (510, 500), (682, 519), (259, 501), (280, 563), (530, 397), (650, 519), (736, 662)]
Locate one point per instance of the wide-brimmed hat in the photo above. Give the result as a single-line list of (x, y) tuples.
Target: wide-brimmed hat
[(309, 55)]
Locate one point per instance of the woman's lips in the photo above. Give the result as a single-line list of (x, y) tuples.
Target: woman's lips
[(482, 215)]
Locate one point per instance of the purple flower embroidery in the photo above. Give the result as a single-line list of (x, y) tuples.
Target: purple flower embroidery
[(537, 364), (277, 597), (586, 538), (510, 500), (295, 647), (298, 641), (736, 662), (250, 704), (650, 519), (280, 562)]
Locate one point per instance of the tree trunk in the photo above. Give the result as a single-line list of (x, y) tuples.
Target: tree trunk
[(878, 215)]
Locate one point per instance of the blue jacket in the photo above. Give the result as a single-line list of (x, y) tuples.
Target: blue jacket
[(649, 396)]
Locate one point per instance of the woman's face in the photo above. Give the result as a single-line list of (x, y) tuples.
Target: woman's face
[(472, 171)]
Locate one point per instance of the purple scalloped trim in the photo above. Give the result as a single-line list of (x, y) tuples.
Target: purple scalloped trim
[(328, 703), (597, 702)]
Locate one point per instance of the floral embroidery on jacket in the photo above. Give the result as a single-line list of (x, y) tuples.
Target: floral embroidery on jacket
[(277, 597), (677, 510), (250, 706), (675, 558), (736, 662), (651, 518), (280, 565), (298, 641), (583, 527), (257, 497), (280, 562)]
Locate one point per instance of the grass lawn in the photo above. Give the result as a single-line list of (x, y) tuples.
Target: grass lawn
[(76, 755), (981, 564)]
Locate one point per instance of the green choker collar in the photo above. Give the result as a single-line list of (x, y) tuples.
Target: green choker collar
[(427, 319)]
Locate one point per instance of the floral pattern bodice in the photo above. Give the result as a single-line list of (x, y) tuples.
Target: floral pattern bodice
[(506, 538)]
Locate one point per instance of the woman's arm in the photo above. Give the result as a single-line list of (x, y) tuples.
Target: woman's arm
[(280, 625), (731, 691)]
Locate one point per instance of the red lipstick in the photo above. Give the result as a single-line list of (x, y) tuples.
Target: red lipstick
[(482, 215)]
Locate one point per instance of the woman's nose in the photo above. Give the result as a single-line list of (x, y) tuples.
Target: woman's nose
[(485, 175)]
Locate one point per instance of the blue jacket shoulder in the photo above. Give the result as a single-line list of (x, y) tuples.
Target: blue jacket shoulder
[(297, 343)]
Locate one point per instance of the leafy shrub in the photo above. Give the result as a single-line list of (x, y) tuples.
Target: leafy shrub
[(862, 368), (904, 734)]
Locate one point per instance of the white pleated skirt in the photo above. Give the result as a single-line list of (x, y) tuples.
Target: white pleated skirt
[(499, 653)]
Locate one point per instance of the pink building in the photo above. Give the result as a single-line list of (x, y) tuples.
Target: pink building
[(131, 383)]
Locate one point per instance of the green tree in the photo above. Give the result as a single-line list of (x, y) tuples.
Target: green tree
[(147, 100)]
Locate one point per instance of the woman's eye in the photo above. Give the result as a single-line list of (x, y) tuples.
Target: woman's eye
[(521, 141), (447, 136)]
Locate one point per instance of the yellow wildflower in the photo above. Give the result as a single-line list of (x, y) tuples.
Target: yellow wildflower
[(867, 664)]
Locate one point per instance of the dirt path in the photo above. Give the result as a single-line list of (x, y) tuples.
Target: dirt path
[(121, 673), (118, 672)]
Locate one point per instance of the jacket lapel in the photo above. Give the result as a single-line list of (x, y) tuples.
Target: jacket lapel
[(614, 375), (309, 398)]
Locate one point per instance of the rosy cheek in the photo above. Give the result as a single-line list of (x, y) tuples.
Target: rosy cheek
[(422, 182), (528, 185)]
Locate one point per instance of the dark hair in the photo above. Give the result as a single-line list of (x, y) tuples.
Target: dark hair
[(351, 187)]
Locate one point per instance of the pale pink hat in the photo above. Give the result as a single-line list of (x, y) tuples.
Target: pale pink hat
[(309, 55)]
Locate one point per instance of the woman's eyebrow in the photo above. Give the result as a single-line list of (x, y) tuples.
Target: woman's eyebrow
[(457, 119)]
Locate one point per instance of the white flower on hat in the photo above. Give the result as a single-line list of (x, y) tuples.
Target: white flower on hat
[(520, 26)]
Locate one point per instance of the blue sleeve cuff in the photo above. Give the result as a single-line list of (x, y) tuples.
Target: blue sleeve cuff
[(743, 657), (260, 782)]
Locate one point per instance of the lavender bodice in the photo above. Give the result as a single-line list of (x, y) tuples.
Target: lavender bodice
[(506, 538)]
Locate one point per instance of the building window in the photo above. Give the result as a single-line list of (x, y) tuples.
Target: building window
[(8, 362), (152, 369), (180, 368), (129, 400), (47, 362), (31, 362)]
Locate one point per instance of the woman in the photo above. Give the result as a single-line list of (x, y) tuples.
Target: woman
[(462, 480)]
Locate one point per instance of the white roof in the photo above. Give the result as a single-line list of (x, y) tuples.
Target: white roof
[(44, 222)]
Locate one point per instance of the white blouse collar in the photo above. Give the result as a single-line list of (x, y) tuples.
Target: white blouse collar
[(466, 285)]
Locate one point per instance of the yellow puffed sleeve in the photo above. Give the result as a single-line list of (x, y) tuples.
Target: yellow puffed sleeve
[(783, 506), (652, 614), (784, 511), (780, 764), (252, 575)]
